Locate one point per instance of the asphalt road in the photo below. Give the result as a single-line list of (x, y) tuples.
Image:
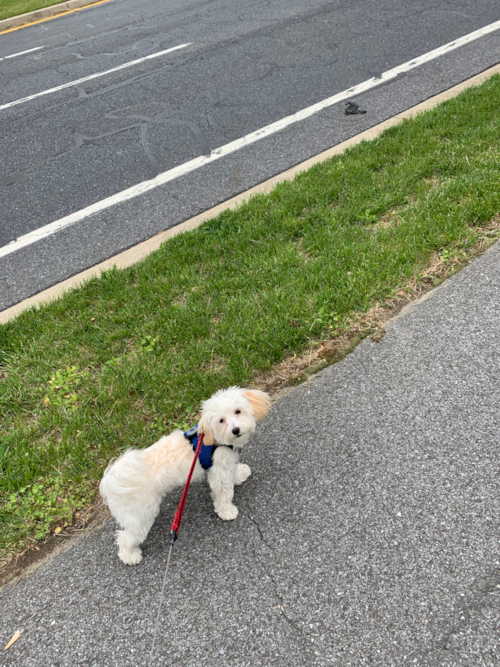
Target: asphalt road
[(246, 65), (368, 534)]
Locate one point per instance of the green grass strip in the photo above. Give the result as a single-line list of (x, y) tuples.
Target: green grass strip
[(130, 355), (10, 8)]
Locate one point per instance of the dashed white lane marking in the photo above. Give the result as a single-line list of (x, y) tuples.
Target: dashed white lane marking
[(233, 146), (21, 53), (92, 76)]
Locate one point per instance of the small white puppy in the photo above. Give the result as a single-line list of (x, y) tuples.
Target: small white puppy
[(134, 485)]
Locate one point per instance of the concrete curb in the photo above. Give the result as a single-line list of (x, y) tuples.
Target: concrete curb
[(45, 13), (140, 251)]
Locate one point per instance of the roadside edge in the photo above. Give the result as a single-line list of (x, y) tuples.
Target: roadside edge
[(45, 13)]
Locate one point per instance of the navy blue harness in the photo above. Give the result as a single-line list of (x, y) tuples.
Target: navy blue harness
[(207, 451)]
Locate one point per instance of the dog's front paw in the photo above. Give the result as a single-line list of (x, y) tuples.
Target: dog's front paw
[(130, 556), (228, 512), (242, 473)]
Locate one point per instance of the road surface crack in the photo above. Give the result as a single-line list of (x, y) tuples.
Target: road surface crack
[(276, 589)]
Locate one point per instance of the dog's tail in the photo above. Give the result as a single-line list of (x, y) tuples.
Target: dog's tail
[(125, 476)]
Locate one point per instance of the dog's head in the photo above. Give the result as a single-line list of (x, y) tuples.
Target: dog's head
[(229, 416)]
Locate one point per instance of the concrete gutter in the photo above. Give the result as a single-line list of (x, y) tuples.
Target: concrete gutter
[(16, 22), (142, 250)]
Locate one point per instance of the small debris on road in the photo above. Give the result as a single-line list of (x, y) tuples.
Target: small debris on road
[(352, 109), (16, 636)]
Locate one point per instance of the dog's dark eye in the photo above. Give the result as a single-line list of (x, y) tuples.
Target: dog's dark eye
[(221, 421), (238, 412)]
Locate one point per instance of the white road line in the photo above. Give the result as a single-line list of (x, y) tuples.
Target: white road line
[(21, 53), (268, 130), (92, 76)]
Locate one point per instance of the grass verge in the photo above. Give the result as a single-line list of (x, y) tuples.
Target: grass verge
[(130, 355), (10, 8)]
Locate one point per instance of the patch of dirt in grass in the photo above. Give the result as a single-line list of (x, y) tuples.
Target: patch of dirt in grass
[(217, 318), (180, 301), (388, 220), (216, 364)]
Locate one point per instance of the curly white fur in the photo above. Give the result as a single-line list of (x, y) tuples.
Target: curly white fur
[(134, 485)]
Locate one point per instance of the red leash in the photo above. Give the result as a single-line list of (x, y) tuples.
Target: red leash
[(174, 530)]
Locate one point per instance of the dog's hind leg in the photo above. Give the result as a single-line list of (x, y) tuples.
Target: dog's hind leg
[(129, 551), (136, 527)]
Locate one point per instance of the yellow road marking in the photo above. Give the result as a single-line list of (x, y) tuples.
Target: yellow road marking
[(56, 16)]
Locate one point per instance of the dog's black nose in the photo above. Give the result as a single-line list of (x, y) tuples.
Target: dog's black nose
[(236, 430)]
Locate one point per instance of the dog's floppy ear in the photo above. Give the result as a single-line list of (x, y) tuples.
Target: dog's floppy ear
[(260, 402), (205, 427)]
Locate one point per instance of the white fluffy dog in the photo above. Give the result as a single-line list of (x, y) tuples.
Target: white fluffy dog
[(134, 485)]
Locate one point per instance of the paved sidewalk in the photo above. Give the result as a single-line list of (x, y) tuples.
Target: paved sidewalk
[(368, 535)]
